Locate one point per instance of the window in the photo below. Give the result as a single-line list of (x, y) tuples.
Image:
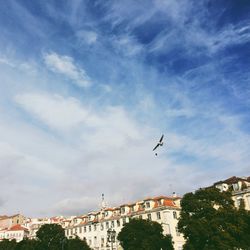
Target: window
[(102, 242), (89, 228), (118, 223), (238, 201), (248, 200), (112, 223), (149, 217), (140, 217), (158, 215), (102, 227), (236, 186), (95, 227), (147, 204), (80, 230), (124, 220), (132, 209), (175, 215), (85, 229), (177, 232), (123, 210), (107, 225)]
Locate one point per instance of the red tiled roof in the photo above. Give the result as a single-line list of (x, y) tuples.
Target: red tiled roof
[(169, 203), (18, 228), (108, 209)]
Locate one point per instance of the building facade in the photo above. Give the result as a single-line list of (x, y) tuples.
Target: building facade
[(34, 224), (94, 226), (16, 232), (240, 188), (9, 221)]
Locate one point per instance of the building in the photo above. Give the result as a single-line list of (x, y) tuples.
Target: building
[(9, 221), (33, 224), (16, 232), (240, 188), (94, 226)]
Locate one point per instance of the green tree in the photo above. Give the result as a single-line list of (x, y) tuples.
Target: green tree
[(167, 243), (141, 234), (209, 220), (7, 244), (77, 244), (50, 236), (244, 219), (27, 244)]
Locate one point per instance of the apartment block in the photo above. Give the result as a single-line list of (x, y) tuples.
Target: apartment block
[(94, 226)]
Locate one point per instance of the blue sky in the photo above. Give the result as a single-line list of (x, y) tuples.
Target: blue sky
[(88, 87)]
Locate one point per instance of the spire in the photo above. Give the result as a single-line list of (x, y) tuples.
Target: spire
[(104, 205)]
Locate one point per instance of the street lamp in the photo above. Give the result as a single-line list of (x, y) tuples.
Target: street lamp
[(111, 236)]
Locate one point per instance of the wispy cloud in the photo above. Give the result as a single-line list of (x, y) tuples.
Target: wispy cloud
[(89, 37), (66, 66), (53, 110), (154, 67)]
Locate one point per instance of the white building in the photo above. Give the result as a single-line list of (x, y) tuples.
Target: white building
[(93, 226), (240, 188), (16, 232), (33, 224)]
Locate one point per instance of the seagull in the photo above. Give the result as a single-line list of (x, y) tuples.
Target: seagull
[(160, 143)]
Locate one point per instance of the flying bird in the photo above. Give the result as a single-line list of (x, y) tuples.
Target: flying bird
[(160, 143)]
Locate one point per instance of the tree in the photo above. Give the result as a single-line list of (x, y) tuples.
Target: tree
[(27, 244), (209, 220), (50, 236), (77, 244), (7, 244), (141, 234), (167, 243)]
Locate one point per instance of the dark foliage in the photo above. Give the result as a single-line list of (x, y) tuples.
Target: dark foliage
[(77, 244), (144, 235), (8, 245), (49, 237), (27, 245), (209, 220)]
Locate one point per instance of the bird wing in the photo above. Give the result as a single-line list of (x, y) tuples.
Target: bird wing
[(156, 146), (161, 138)]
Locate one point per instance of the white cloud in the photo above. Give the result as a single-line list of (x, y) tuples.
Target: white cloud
[(68, 113), (95, 147), (76, 206), (6, 61), (89, 37), (54, 110), (66, 66), (127, 44)]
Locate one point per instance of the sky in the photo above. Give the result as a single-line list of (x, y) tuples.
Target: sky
[(88, 87)]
